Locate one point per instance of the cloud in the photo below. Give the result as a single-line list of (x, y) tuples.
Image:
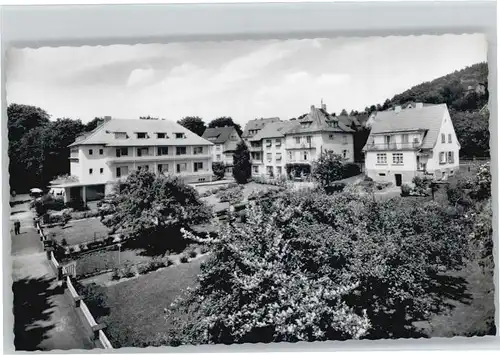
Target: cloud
[(140, 76)]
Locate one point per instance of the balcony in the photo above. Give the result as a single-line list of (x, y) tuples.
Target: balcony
[(302, 145), (393, 146)]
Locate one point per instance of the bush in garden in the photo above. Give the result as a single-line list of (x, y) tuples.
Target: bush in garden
[(367, 178), (219, 170), (130, 271), (183, 259), (232, 195), (242, 166), (168, 262), (95, 298), (64, 242), (117, 274), (192, 253), (405, 190), (328, 168)]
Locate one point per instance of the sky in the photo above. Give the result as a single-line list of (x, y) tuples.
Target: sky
[(240, 79)]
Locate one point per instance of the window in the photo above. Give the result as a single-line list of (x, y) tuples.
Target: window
[(452, 172), (397, 158), (278, 142), (268, 143), (297, 140), (162, 168), (443, 138), (278, 170), (381, 174), (91, 152), (290, 156), (120, 135), (142, 152), (387, 140), (278, 156), (442, 158), (449, 138), (142, 135), (344, 154), (416, 140), (333, 124), (197, 150), (143, 167), (381, 158), (121, 152), (101, 151), (305, 155), (161, 135), (198, 166), (269, 156), (451, 158), (270, 171), (180, 151), (180, 135), (101, 170), (331, 137), (218, 147), (121, 171), (217, 157), (162, 150), (344, 139), (405, 138), (255, 169), (309, 139), (91, 171), (181, 167)]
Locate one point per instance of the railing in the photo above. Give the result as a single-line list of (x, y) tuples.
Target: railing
[(62, 273), (392, 146)]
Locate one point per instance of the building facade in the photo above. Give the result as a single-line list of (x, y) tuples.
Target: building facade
[(287, 144), (416, 141), (225, 140), (119, 146), (252, 128)]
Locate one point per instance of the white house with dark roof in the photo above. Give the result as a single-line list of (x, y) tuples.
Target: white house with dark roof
[(416, 141), (225, 140), (252, 128), (318, 132), (118, 146)]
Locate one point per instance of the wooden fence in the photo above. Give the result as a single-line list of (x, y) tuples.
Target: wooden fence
[(63, 273)]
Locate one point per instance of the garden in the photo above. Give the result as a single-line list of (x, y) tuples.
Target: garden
[(326, 263)]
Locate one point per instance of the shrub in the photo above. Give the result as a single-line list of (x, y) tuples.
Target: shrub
[(204, 249), (405, 190), (109, 240), (232, 195), (117, 274), (219, 170), (77, 205), (95, 298), (168, 262), (64, 242), (242, 166), (183, 259), (192, 253), (335, 187), (130, 271), (367, 178)]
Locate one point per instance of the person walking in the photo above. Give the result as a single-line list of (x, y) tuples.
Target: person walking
[(17, 227)]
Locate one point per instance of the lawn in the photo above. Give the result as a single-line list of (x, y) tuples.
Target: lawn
[(470, 312), (137, 306), (80, 231)]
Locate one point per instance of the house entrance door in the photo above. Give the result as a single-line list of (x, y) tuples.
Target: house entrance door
[(399, 179)]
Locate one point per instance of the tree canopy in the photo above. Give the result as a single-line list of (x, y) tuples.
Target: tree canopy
[(194, 123), (225, 121)]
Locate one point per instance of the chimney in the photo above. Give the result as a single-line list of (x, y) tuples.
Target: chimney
[(419, 105), (323, 106), (397, 109), (313, 108)]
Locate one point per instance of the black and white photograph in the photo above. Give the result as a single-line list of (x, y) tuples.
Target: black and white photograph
[(250, 191)]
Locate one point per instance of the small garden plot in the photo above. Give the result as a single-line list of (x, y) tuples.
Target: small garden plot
[(81, 231), (136, 306), (105, 260)]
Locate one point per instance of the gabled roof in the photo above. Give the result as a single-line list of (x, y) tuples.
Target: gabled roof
[(275, 130), (218, 135), (105, 134), (428, 118), (258, 123), (317, 120)]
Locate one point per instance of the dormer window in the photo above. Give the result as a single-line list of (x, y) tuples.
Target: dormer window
[(161, 135), (142, 135), (180, 135), (120, 135), (333, 124), (305, 124)]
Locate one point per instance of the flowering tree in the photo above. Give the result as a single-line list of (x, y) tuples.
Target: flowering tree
[(254, 289)]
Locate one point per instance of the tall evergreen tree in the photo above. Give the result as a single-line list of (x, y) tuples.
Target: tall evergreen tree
[(242, 167)]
